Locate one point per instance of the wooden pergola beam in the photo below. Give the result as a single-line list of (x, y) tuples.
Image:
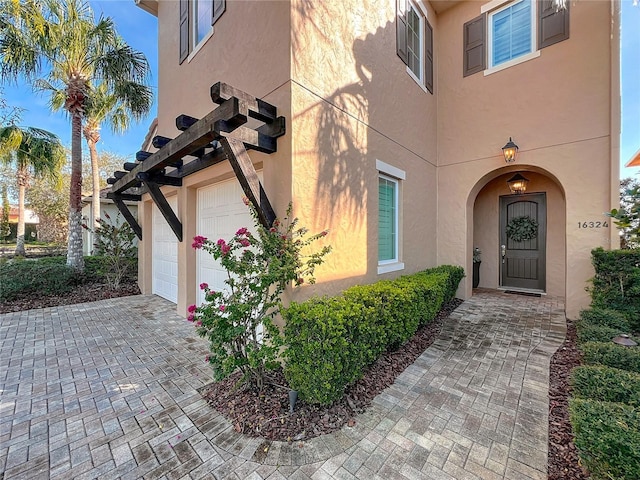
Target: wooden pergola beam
[(118, 200), (198, 135), (248, 178)]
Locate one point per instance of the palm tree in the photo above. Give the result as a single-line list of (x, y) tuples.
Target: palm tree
[(34, 153), (115, 108), (62, 38)]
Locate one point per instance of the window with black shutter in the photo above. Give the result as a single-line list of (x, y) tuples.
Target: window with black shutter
[(511, 33), (414, 42), (197, 18)]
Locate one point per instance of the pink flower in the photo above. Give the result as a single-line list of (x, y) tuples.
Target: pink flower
[(300, 281), (204, 286), (244, 242), (245, 200), (273, 230), (222, 307), (198, 241), (190, 318), (198, 323), (221, 242), (242, 231), (206, 359), (191, 308), (225, 249), (324, 233)]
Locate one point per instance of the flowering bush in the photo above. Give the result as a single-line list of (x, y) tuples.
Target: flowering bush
[(238, 321)]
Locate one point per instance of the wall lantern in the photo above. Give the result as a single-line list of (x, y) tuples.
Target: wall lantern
[(510, 151), (518, 184)]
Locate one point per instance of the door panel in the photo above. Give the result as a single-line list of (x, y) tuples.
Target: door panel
[(523, 262)]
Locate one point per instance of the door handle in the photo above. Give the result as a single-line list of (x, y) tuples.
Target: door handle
[(503, 251)]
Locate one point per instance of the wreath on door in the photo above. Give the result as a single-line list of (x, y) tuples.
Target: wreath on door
[(522, 228)]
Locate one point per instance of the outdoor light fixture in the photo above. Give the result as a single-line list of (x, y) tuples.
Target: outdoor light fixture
[(518, 184), (510, 151)]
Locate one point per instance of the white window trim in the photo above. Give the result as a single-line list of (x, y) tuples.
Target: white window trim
[(193, 33), (394, 174), (420, 7), (496, 6)]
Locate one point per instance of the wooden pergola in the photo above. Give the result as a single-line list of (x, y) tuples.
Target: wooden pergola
[(221, 135)]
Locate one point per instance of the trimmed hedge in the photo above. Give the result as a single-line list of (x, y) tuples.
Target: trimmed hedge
[(51, 276), (46, 276), (607, 436), (606, 384), (598, 333), (612, 355), (332, 340), (605, 317), (616, 283)]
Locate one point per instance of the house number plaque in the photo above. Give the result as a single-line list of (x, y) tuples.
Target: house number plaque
[(604, 224)]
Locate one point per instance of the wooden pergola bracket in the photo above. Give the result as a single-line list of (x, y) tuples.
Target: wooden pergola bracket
[(221, 135), (119, 199), (248, 178)]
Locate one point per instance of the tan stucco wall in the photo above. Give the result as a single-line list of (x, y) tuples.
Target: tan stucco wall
[(353, 103), (557, 109)]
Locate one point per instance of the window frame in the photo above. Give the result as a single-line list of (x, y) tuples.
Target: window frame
[(394, 175), (495, 7), (421, 13)]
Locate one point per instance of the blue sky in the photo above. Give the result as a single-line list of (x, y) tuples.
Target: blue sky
[(139, 29)]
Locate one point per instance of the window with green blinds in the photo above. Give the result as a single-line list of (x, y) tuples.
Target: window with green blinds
[(387, 219)]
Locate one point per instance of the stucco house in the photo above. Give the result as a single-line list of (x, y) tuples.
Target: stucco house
[(395, 114)]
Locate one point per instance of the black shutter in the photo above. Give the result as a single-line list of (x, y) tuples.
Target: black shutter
[(474, 35), (428, 56), (553, 26), (184, 29), (401, 30), (218, 9)]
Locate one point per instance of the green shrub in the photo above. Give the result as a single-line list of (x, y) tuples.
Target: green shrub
[(455, 273), (46, 276), (605, 317), (612, 355), (606, 384), (331, 340), (616, 283), (598, 333), (607, 436)]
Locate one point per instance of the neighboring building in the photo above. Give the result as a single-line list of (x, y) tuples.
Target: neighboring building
[(31, 222), (634, 161), (106, 207), (396, 113)]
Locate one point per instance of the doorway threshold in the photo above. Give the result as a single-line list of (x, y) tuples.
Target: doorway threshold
[(532, 292)]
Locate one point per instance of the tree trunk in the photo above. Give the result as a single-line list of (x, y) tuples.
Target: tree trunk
[(74, 243), (92, 136), (20, 251)]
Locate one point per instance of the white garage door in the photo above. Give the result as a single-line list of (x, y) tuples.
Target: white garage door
[(165, 255), (221, 212)]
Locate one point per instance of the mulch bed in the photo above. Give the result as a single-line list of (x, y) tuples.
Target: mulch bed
[(563, 456), (80, 294), (267, 415)]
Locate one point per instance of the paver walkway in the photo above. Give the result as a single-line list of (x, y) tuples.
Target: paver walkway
[(109, 390)]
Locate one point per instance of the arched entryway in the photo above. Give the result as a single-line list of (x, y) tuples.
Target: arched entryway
[(533, 262)]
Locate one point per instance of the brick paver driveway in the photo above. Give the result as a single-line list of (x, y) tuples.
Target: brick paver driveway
[(109, 390)]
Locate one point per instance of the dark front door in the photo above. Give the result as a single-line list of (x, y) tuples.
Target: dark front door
[(523, 232)]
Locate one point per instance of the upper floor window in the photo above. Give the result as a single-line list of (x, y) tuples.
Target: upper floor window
[(201, 24), (196, 21), (415, 42), (511, 32)]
